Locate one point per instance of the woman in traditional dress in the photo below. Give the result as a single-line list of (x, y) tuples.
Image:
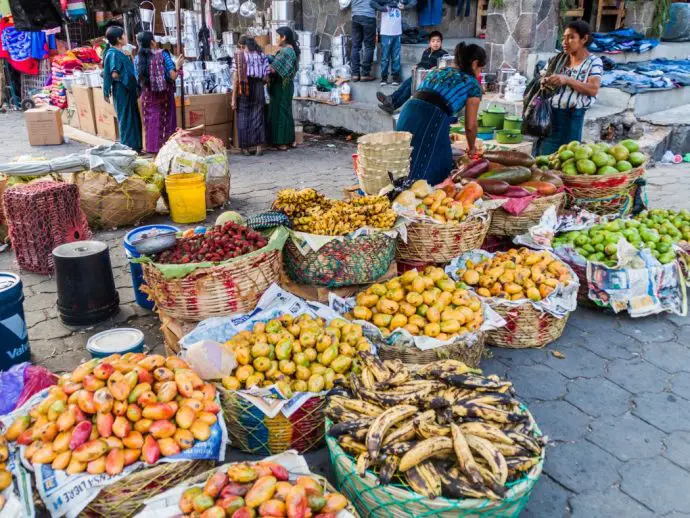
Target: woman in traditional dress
[(283, 70), (120, 83), (431, 110), (156, 74), (250, 69)]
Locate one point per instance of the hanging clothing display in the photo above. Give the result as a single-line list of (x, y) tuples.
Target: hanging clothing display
[(15, 46), (114, 6), (430, 12), (36, 15)]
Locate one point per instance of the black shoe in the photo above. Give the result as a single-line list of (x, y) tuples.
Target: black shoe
[(383, 98), (387, 108)]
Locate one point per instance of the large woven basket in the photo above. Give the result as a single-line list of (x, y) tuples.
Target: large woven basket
[(358, 260), (385, 145), (253, 432), (398, 501), (220, 290), (437, 243), (506, 224), (380, 156), (526, 327), (608, 194), (463, 349)]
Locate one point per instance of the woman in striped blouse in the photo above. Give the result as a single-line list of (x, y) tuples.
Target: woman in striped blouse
[(576, 84)]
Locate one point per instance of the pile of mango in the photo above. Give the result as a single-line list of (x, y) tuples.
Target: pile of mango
[(516, 275), (261, 489), (427, 303), (448, 205), (600, 159), (300, 354), (109, 413), (5, 475)]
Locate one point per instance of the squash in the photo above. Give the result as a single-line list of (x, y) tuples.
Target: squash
[(469, 194)]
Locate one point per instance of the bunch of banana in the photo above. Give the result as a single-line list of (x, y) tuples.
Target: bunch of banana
[(295, 203), (444, 429)]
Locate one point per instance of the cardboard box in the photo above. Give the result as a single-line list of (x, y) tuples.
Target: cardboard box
[(207, 109), (106, 118), (221, 131), (44, 126), (83, 102)]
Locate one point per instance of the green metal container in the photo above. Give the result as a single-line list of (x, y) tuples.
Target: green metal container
[(508, 136), (512, 122), (494, 117)]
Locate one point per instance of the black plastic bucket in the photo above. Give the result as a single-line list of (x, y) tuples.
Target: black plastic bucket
[(85, 284)]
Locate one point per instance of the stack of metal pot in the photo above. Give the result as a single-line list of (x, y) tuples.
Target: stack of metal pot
[(282, 15), (305, 78), (339, 51)]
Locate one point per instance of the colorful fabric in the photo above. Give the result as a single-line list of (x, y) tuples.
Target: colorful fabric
[(160, 117), (124, 95), (566, 97), (453, 85), (281, 123), (285, 63), (432, 158), (15, 46), (566, 126), (158, 76), (251, 129)]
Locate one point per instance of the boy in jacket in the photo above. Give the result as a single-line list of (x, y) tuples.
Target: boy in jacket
[(391, 35), (432, 54)]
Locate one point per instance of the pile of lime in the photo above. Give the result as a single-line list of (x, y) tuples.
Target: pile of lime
[(656, 230), (600, 159)]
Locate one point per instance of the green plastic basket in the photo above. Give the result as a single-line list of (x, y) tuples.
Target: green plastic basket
[(397, 501)]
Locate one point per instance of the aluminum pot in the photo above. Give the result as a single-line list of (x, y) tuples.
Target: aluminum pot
[(307, 39), (282, 10)]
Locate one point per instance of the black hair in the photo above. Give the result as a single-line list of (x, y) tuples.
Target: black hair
[(435, 34), (113, 34), (290, 38), (144, 40), (466, 54), (250, 43), (582, 29)]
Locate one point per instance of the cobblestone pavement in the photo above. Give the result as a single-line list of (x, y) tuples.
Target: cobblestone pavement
[(616, 407)]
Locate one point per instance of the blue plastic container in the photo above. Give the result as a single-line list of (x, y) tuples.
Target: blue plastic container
[(116, 341), (14, 337), (135, 269)]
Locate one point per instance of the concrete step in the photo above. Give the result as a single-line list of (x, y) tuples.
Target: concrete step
[(666, 49), (677, 121), (359, 117), (644, 103)]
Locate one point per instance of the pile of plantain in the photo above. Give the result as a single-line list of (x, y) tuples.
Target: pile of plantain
[(310, 211), (444, 429)]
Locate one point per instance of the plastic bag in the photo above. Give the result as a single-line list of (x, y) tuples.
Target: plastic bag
[(210, 359), (21, 382), (538, 118), (344, 4)]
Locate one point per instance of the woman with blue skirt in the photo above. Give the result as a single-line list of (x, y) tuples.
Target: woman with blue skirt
[(432, 109)]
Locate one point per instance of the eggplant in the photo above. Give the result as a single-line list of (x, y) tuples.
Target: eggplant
[(510, 158), (471, 170), (517, 192), (495, 187)]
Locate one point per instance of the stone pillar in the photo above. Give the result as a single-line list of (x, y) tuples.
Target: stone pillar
[(519, 28), (326, 19)]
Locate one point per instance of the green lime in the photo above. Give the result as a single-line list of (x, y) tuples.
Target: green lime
[(637, 159), (566, 155), (607, 169), (624, 166), (619, 152), (600, 159), (585, 166), (583, 152), (630, 145)]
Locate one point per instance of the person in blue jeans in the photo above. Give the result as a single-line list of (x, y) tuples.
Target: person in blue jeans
[(391, 35), (430, 57), (363, 35)]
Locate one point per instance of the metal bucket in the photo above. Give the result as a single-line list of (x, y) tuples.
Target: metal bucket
[(307, 39), (282, 10)]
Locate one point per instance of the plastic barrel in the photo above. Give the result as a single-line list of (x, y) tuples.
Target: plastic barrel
[(134, 268), (86, 291), (186, 197), (116, 341), (14, 338)]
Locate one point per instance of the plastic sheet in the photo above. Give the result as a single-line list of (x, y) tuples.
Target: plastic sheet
[(21, 382), (678, 26), (538, 118)]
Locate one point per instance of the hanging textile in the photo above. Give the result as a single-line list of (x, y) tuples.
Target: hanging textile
[(76, 9), (36, 15), (15, 46), (430, 12)]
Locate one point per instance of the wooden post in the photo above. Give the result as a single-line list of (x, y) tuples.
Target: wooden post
[(180, 51)]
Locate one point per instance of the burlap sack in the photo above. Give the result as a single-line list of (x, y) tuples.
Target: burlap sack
[(108, 204)]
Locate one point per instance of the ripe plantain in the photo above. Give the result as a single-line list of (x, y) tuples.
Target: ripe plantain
[(447, 367), (424, 450), (383, 423), (466, 461), (390, 466), (520, 464), (486, 431), (348, 426), (363, 462), (429, 430), (399, 448), (527, 442), (491, 455), (376, 366), (424, 479), (362, 407), (487, 413), (474, 382), (348, 444)]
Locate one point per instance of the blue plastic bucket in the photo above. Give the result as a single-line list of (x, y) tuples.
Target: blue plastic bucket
[(14, 337), (134, 268), (116, 341)]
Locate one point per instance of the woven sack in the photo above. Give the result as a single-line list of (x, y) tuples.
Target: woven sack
[(253, 432), (220, 290), (506, 224), (439, 243), (526, 327), (352, 260)]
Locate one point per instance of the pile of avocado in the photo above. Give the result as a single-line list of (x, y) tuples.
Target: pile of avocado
[(600, 159)]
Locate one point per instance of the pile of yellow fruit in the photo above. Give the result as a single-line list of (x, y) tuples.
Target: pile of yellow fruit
[(300, 354), (447, 205), (516, 275), (427, 303), (310, 211), (5, 475)]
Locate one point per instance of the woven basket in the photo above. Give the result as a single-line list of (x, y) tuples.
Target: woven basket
[(506, 224), (397, 501), (526, 327), (358, 260), (217, 291), (385, 145), (608, 194), (254, 432), (372, 180), (469, 352), (437, 243)]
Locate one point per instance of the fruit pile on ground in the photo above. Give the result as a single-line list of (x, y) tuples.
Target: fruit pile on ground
[(297, 355), (427, 303), (261, 489), (216, 244), (110, 413), (448, 205), (444, 429), (310, 211), (5, 475), (516, 275), (600, 159), (656, 230)]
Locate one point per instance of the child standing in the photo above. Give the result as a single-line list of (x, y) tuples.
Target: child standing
[(391, 33)]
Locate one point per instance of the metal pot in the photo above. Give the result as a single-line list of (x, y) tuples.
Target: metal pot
[(493, 117), (307, 39), (512, 122), (282, 10)]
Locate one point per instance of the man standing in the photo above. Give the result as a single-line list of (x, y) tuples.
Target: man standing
[(363, 33)]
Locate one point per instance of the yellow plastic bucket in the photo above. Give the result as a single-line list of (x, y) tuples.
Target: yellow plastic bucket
[(186, 197)]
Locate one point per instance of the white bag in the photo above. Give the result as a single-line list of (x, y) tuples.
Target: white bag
[(344, 4)]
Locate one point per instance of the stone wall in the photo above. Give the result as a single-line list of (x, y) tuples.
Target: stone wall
[(326, 19), (519, 28), (639, 15)]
